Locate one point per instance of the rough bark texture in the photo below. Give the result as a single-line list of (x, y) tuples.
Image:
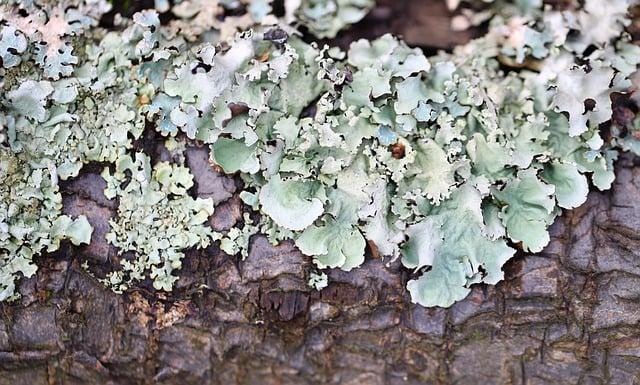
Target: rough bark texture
[(570, 315)]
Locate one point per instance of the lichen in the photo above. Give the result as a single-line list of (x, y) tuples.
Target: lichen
[(31, 219), (156, 220), (446, 162)]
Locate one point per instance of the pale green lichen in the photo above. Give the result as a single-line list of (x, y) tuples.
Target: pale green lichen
[(318, 281), (236, 240), (325, 18), (157, 220), (442, 161), (31, 219)]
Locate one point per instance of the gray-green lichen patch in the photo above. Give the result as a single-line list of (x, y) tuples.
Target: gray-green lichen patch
[(157, 219), (444, 162), (325, 18), (31, 219), (441, 161)]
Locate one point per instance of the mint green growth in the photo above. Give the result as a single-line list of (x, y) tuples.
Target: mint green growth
[(445, 162)]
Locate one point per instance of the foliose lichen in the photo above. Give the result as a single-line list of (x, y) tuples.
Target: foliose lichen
[(447, 162)]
